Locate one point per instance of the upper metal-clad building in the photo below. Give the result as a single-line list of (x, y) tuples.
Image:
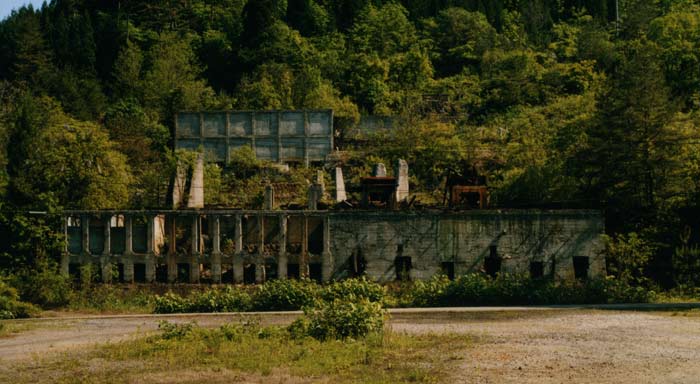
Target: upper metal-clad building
[(280, 136)]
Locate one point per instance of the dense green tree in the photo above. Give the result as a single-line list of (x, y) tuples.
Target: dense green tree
[(460, 39), (72, 164), (637, 159)]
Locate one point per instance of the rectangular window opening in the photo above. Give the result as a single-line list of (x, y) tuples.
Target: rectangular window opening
[(581, 266), (536, 269), (448, 268), (139, 272)]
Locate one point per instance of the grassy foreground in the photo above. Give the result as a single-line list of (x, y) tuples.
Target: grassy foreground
[(249, 353)]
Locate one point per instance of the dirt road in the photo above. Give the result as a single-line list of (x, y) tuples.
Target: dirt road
[(543, 346)]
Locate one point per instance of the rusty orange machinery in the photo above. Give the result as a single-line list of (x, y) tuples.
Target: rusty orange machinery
[(469, 196)]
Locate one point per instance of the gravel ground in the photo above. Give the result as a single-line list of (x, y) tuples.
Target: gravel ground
[(573, 347), (523, 346)]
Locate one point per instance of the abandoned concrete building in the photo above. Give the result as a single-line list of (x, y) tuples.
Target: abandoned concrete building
[(383, 238)]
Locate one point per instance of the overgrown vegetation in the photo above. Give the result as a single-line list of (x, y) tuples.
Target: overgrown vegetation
[(10, 305), (578, 104), (186, 350), (331, 301)]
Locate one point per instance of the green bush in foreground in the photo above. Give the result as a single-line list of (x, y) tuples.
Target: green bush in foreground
[(10, 305), (285, 295), (340, 319), (354, 289), (228, 299), (509, 289), (43, 286)]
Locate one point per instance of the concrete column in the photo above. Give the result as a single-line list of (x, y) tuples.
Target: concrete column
[(107, 249), (269, 198), (260, 262), (106, 269), (172, 250), (216, 250), (238, 256), (340, 194), (194, 260), (282, 259), (304, 257), (106, 266), (128, 229), (128, 263), (150, 258), (401, 174), (65, 256), (327, 257), (85, 228)]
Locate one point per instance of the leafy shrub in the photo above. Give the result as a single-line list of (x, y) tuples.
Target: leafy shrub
[(512, 289), (174, 330), (10, 305), (282, 295), (171, 303), (354, 289), (43, 286), (220, 300), (299, 328), (342, 319), (429, 293), (227, 299)]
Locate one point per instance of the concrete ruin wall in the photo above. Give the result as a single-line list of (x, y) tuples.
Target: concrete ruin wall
[(252, 246), (277, 136), (466, 239)]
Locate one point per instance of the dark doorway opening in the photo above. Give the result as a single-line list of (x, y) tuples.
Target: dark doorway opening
[(183, 273), (249, 274), (292, 271), (448, 268), (139, 272), (120, 272), (226, 274), (492, 264), (581, 265), (536, 269), (161, 273), (315, 272), (403, 268)]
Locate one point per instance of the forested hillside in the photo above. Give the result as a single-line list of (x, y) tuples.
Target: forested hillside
[(561, 103)]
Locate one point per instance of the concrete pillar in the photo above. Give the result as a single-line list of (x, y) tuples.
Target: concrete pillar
[(179, 185), (85, 228), (260, 257), (340, 194), (107, 249), (282, 259), (320, 182), (65, 256), (128, 263), (194, 259), (269, 198), (401, 173), (105, 264), (172, 250), (150, 258), (128, 229), (106, 270), (314, 196), (216, 249), (238, 256), (379, 170), (196, 197), (304, 257), (326, 256)]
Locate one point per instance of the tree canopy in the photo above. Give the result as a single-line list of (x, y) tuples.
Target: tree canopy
[(559, 103)]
